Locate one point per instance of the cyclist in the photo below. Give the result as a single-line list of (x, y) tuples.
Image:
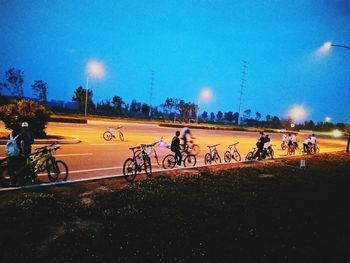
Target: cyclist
[(186, 136), (260, 147), (267, 146), (24, 142), (175, 147), (284, 139), (313, 141), (306, 143)]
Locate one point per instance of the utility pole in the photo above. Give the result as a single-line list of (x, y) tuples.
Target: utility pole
[(243, 80), (151, 93)]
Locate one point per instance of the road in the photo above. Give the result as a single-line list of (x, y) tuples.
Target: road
[(95, 157)]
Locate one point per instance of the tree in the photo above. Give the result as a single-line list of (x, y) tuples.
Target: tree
[(25, 110), (212, 116), (268, 118), (79, 97), (229, 116), (185, 109), (246, 114), (257, 116), (105, 108), (235, 117), (118, 104), (135, 106), (168, 105), (204, 115), (145, 108), (219, 115), (14, 82), (40, 90)]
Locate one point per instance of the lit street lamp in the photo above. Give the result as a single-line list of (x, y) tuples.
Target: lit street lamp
[(94, 69), (204, 95), (326, 47)]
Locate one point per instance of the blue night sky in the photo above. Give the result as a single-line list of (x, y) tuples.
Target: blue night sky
[(190, 45)]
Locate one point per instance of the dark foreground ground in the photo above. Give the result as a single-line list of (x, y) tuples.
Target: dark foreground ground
[(265, 212)]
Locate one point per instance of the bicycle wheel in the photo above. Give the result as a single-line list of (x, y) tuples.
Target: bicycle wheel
[(317, 150), (283, 146), (195, 149), (237, 156), (227, 156), (169, 161), (207, 158), (129, 170), (57, 170), (271, 153), (217, 158), (107, 136), (147, 166), (249, 156), (190, 160), (121, 136)]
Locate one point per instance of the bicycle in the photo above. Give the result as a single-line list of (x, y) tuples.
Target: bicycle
[(267, 152), (312, 149), (251, 155), (188, 159), (138, 162), (191, 148), (112, 133), (213, 155), (232, 153), (292, 149), (42, 159)]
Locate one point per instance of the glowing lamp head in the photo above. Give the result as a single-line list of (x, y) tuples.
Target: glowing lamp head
[(297, 113), (95, 69), (328, 119), (206, 94)]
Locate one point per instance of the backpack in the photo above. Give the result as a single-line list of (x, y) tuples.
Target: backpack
[(12, 148)]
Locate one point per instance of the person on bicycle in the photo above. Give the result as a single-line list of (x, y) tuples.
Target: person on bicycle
[(294, 140), (306, 144), (267, 146), (186, 136), (175, 147), (260, 147), (24, 142), (313, 140)]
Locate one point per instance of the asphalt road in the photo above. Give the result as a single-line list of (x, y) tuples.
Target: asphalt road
[(95, 157)]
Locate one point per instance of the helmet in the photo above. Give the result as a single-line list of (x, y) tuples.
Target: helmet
[(25, 124)]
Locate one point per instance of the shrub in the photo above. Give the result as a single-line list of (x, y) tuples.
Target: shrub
[(25, 110)]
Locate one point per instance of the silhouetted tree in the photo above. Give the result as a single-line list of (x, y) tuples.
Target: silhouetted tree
[(212, 116), (235, 117), (246, 114), (79, 97), (145, 109), (14, 82), (118, 104), (204, 115), (219, 115), (40, 90), (257, 116), (135, 106), (229, 116)]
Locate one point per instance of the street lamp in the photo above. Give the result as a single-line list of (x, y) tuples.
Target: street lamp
[(94, 69), (204, 95), (326, 47)]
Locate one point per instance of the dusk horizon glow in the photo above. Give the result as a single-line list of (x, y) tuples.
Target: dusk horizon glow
[(188, 45)]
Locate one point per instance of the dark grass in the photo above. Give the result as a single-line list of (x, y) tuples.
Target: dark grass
[(265, 213)]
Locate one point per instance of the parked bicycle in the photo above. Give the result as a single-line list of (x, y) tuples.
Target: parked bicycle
[(39, 161), (140, 160), (188, 160), (112, 133), (213, 155), (232, 153)]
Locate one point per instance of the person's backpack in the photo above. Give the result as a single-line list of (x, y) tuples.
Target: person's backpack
[(12, 148)]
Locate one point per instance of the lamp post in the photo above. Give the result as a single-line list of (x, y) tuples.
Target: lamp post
[(205, 95), (326, 47), (94, 69)]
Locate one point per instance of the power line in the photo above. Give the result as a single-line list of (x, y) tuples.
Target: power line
[(151, 93), (243, 80)]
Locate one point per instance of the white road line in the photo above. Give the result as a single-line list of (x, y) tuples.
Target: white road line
[(72, 154), (102, 144)]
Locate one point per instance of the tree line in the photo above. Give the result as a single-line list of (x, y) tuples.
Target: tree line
[(172, 109)]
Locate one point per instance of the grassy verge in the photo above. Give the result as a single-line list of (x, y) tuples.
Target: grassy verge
[(266, 212)]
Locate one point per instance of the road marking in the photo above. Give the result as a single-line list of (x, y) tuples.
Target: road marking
[(102, 144), (72, 154)]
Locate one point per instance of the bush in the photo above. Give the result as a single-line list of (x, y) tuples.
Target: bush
[(25, 110)]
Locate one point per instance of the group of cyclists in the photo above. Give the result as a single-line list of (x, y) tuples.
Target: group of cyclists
[(290, 141)]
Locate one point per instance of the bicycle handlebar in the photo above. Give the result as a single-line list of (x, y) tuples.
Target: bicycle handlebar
[(233, 144), (211, 146)]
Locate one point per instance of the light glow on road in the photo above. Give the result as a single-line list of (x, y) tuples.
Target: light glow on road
[(336, 133)]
